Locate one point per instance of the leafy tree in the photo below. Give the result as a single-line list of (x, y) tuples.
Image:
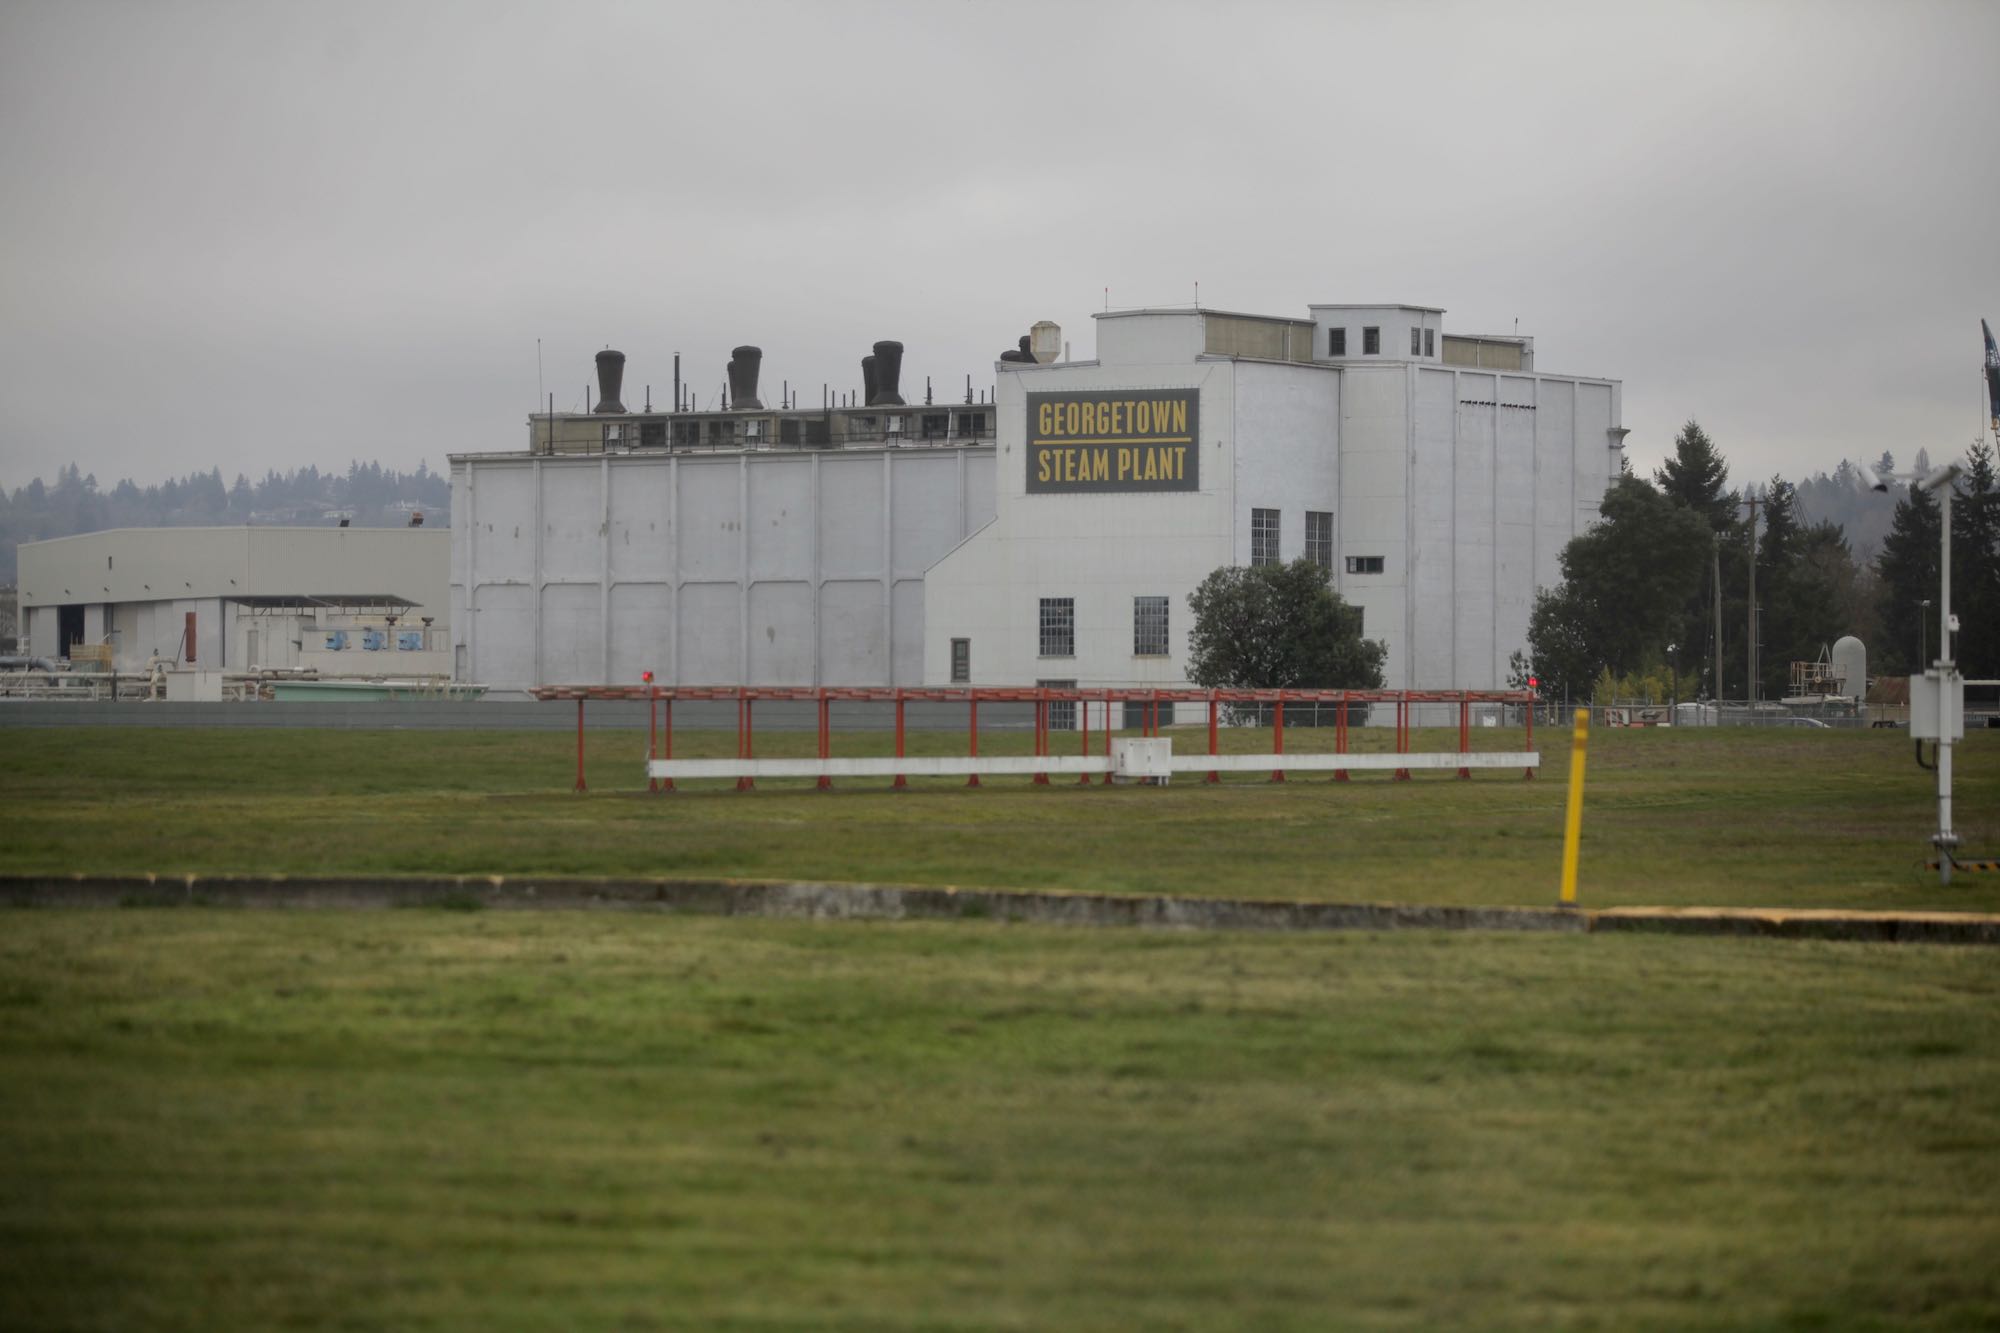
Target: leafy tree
[(1626, 586), (1278, 627)]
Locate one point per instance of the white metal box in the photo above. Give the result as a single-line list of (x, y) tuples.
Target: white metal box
[(1142, 760), (1926, 721)]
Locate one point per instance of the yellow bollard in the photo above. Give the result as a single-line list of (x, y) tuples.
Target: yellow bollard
[(1573, 822)]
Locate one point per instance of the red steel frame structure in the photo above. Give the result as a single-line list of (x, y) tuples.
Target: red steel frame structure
[(746, 697)]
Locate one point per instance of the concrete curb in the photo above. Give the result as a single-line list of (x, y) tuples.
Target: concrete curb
[(884, 902)]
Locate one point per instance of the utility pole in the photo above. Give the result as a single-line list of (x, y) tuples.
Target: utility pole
[(1750, 648), (1715, 554)]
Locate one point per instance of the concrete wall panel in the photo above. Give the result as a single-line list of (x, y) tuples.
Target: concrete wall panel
[(572, 634), (781, 633), (710, 518), (781, 520), (503, 615), (708, 635), (851, 633), (850, 516), (572, 517), (642, 632), (642, 522)]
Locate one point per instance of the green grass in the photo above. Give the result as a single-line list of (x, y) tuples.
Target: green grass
[(411, 1120), (1682, 817)]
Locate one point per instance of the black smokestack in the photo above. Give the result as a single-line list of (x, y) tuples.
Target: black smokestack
[(610, 377), (868, 381), (744, 363), (888, 371)]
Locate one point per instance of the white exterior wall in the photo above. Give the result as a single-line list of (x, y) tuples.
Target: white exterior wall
[(764, 568), (1100, 550), (137, 585)]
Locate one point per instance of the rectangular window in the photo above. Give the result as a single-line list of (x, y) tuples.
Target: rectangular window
[(934, 425), (1263, 536), (1364, 564), (788, 431), (1149, 627), (1062, 712), (1371, 341), (1319, 539), (1430, 342), (652, 434), (1336, 342), (1416, 342), (687, 432), (961, 661), (972, 423), (1058, 625)]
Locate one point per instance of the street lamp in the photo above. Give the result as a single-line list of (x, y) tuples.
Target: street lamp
[(1937, 695)]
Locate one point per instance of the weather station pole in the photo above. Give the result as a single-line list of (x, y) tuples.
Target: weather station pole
[(1937, 696)]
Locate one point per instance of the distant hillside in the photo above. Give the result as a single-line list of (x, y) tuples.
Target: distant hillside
[(367, 495)]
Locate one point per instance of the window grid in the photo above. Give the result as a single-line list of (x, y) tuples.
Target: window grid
[(1371, 340), (1263, 536), (1058, 626), (1062, 712), (1430, 342), (1149, 627), (1336, 342), (961, 661), (1416, 342), (1364, 564), (1319, 539)]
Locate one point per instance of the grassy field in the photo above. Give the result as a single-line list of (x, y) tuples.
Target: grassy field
[(431, 1120), (1680, 817)]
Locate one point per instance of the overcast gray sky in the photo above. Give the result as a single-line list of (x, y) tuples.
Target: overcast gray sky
[(270, 234)]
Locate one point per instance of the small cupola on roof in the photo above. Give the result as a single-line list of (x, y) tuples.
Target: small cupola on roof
[(1377, 333)]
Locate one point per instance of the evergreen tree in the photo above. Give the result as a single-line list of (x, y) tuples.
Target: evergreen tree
[(1697, 476), (1908, 567), (1975, 564)]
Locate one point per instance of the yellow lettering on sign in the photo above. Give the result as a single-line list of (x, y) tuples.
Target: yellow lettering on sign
[(1124, 464), (1180, 416), (1042, 466), (1101, 469)]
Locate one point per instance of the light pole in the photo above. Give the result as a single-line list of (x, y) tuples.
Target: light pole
[(1937, 694)]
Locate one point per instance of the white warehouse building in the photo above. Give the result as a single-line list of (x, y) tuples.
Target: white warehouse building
[(1053, 535)]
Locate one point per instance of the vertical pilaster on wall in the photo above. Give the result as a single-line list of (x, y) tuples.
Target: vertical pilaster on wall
[(604, 570), (888, 569), (537, 580), (674, 568), (812, 481), (743, 568), (1452, 549), (466, 592)]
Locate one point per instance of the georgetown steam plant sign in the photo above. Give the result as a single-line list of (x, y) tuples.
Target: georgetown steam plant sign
[(1114, 440)]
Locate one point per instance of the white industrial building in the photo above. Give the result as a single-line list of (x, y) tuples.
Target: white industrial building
[(340, 601), (1053, 534)]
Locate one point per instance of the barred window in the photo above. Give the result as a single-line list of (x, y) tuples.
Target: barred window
[(1364, 564), (1416, 342), (1336, 342), (961, 661), (1430, 342), (1371, 340), (1058, 627), (1149, 627), (1319, 539), (1263, 536)]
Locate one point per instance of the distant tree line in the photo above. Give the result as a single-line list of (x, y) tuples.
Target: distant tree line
[(1635, 613), (367, 494)]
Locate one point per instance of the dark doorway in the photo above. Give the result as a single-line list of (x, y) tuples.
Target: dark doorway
[(69, 628)]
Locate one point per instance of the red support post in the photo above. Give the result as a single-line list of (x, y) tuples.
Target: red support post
[(1041, 733), (973, 780), (667, 784), (1529, 747), (579, 743), (825, 737), (743, 742), (1340, 735), (900, 781), (1107, 735), (1083, 779), (1213, 776), (1403, 733), (1278, 737), (652, 735), (1464, 731)]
